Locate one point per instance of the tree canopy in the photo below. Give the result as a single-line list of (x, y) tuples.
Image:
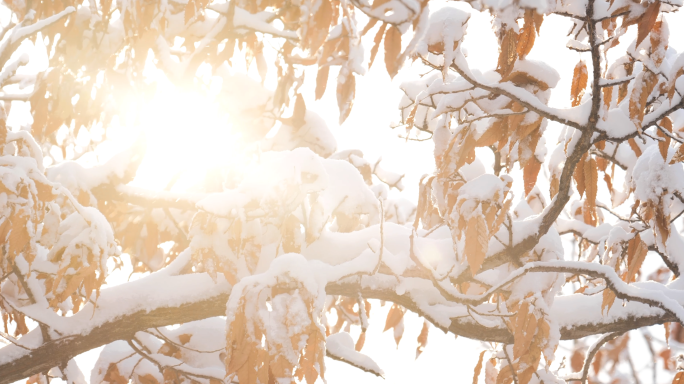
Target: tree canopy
[(257, 271)]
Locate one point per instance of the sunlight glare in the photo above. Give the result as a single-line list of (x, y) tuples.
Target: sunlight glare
[(186, 135)]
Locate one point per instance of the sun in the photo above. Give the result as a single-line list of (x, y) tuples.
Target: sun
[(187, 137)]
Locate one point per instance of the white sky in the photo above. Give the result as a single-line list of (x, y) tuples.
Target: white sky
[(446, 359)]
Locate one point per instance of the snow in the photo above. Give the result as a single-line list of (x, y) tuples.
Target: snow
[(314, 134), (257, 22), (652, 177), (20, 32), (76, 177), (616, 124), (446, 26), (483, 188), (340, 346), (538, 70)]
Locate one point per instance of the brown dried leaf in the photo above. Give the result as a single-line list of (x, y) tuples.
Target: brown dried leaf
[(378, 3), (580, 77), (501, 216), (360, 342), (667, 333), (644, 84), (530, 173), (607, 99), (190, 9), (184, 338), (525, 329), (369, 26), (376, 43), (113, 376), (346, 87), (394, 316), (678, 378), (392, 50), (538, 19), (554, 185), (622, 89), (422, 339), (577, 360), (478, 367), (672, 89), (590, 180), (505, 375), (636, 253), (322, 80), (527, 35), (635, 147), (299, 113), (476, 242), (664, 145), (647, 21), (508, 53), (658, 43), (608, 300), (147, 379)]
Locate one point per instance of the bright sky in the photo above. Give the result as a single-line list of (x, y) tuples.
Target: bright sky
[(172, 116)]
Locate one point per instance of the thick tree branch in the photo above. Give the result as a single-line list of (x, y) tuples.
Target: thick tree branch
[(17, 363)]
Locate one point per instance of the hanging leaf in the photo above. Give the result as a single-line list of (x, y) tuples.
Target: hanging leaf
[(527, 35), (664, 145), (322, 81), (360, 342), (422, 338), (678, 378), (476, 244), (346, 86), (392, 50), (607, 100), (530, 173), (608, 300), (643, 86), (394, 316), (190, 9), (371, 23), (647, 21), (376, 43), (590, 180), (508, 53), (672, 88), (580, 77), (538, 20), (478, 367), (636, 253)]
